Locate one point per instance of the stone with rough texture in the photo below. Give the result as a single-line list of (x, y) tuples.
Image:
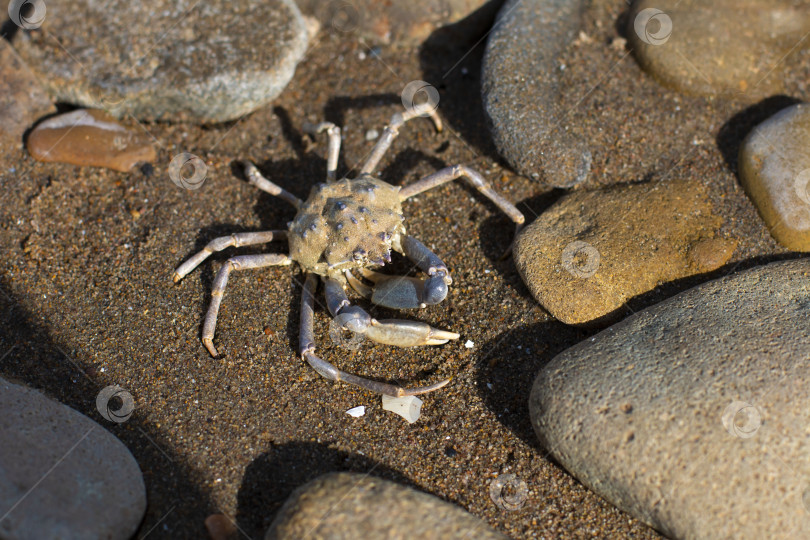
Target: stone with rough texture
[(693, 414), (61, 474), (349, 506), (774, 167), (167, 60), (391, 23), (591, 252), (521, 88), (90, 137), (22, 98), (732, 48)]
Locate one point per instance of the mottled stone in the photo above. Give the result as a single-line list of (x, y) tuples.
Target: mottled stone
[(90, 137), (724, 47), (591, 252), (350, 506), (693, 414), (61, 474), (774, 169), (22, 98), (167, 60), (390, 23), (521, 90)]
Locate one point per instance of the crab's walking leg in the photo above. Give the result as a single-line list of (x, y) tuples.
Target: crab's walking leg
[(242, 262), (392, 130), (475, 179), (218, 244), (336, 299), (255, 177), (334, 146)]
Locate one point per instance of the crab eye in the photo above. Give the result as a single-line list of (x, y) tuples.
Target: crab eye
[(359, 254)]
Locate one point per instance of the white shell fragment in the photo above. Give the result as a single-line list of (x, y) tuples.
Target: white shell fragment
[(408, 407), (469, 344), (357, 412)]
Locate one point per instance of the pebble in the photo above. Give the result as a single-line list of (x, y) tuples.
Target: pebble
[(774, 167), (591, 252), (692, 415), (521, 90), (220, 527), (22, 98), (400, 24), (90, 137), (732, 48), (178, 60), (61, 474), (349, 506)]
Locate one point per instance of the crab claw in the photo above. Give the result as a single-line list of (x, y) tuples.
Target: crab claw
[(401, 292), (402, 333)]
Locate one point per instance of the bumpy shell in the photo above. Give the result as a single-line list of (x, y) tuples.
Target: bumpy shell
[(346, 224)]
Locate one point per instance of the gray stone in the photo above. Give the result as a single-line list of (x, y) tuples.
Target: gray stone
[(733, 48), (61, 474), (774, 167), (521, 89), (22, 98), (350, 506), (693, 415), (167, 60)]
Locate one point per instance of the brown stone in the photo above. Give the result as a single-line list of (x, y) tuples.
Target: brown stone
[(711, 253), (733, 48), (591, 252), (90, 137)]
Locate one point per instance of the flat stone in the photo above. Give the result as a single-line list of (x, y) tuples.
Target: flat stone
[(22, 98), (402, 24), (90, 137), (521, 90), (350, 506), (774, 168), (591, 252), (693, 414), (167, 60), (732, 48), (61, 474)]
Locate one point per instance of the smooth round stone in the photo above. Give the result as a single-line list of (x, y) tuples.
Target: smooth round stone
[(22, 98), (390, 23), (774, 168), (521, 89), (732, 48), (61, 474), (167, 60), (693, 414), (90, 137), (591, 252), (348, 506)]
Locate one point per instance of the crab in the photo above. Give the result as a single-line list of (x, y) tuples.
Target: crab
[(345, 226)]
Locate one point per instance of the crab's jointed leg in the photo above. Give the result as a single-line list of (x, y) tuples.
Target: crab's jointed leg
[(403, 333), (241, 262), (392, 130), (334, 145), (475, 179), (222, 242), (255, 177)]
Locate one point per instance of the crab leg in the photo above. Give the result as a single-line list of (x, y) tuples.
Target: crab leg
[(242, 262), (357, 320), (475, 179), (255, 177), (392, 130), (218, 244), (334, 145)]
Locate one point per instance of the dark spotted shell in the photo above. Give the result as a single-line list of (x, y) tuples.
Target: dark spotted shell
[(346, 224)]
